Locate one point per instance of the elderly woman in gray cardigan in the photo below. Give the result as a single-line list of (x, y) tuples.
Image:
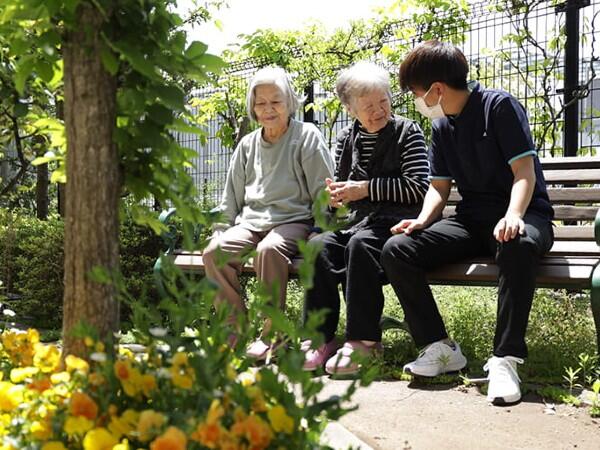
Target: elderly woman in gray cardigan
[(275, 174), (381, 175)]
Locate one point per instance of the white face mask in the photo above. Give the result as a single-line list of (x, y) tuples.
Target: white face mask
[(431, 112)]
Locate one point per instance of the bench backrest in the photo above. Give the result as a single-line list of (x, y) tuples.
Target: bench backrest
[(573, 187)]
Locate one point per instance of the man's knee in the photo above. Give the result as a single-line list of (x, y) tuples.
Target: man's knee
[(520, 249), (398, 250)]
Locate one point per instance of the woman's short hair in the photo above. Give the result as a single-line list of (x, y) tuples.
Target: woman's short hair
[(362, 78), (278, 77), (433, 61)]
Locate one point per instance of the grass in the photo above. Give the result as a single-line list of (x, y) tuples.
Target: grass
[(560, 329)]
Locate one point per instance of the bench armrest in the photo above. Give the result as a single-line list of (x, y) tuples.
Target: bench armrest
[(169, 237), (597, 228)]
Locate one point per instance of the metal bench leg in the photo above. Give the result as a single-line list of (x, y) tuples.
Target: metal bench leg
[(595, 303), (391, 323), (158, 280)]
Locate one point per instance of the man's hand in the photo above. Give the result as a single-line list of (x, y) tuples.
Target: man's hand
[(508, 227), (407, 226), (342, 192)]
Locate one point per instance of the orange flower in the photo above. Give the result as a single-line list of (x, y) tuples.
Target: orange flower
[(82, 405), (207, 434), (172, 439), (256, 431), (40, 385), (123, 370)]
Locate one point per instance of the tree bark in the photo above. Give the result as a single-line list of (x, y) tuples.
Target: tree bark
[(92, 190), (60, 187), (41, 191)]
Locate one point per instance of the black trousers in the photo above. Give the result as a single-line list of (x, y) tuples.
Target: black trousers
[(407, 258), (353, 261)]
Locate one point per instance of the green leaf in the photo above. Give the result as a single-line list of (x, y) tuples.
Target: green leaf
[(160, 114), (211, 63), (110, 62), (22, 72), (21, 109), (136, 59), (171, 96), (196, 49), (183, 127), (44, 70)]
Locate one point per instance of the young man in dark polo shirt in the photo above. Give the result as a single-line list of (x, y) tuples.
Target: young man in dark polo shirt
[(481, 141)]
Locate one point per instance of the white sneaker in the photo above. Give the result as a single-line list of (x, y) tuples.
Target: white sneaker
[(503, 387), (435, 359)]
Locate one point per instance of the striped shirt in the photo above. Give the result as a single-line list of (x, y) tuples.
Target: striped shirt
[(412, 186)]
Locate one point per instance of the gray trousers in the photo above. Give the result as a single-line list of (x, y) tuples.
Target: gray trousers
[(274, 248)]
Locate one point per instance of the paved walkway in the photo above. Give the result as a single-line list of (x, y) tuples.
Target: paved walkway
[(394, 415)]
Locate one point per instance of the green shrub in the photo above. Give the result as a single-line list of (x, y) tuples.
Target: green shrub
[(31, 265)]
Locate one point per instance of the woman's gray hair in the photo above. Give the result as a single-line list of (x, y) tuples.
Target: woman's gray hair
[(362, 78), (278, 77)]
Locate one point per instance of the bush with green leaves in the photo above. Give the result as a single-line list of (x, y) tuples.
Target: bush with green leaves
[(31, 265)]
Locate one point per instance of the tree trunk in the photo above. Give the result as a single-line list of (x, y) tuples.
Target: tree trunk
[(60, 187), (41, 191), (92, 191)]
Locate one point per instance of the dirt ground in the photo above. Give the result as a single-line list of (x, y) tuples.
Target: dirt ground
[(396, 415)]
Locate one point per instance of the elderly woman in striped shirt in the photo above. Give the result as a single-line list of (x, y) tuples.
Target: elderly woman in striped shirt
[(381, 176)]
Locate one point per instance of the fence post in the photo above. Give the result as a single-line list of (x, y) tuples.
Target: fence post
[(571, 130), (309, 114)]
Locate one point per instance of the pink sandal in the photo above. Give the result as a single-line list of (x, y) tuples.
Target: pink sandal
[(343, 363), (316, 357)]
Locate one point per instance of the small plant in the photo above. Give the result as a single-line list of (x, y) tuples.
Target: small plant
[(571, 377), (595, 408)]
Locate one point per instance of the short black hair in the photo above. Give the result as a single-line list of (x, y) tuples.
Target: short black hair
[(432, 61)]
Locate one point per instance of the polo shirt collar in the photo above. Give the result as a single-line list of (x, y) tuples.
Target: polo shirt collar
[(471, 107)]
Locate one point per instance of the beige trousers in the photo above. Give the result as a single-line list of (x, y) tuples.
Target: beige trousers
[(274, 250)]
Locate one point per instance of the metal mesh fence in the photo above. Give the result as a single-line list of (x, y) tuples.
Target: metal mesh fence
[(531, 67)]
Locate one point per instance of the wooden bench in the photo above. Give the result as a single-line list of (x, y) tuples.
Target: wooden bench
[(572, 263)]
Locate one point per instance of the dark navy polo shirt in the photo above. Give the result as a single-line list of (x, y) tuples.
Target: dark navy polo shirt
[(476, 148)]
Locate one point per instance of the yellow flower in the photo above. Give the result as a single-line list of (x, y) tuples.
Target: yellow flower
[(96, 379), (258, 400), (40, 430), (83, 405), (88, 341), (46, 358), (182, 375), (125, 424), (76, 364), (60, 377), (11, 396), (148, 384), (180, 359), (77, 425), (18, 345), (19, 374), (172, 439), (279, 419), (53, 445), (215, 412), (130, 377), (99, 439), (124, 445), (150, 424)]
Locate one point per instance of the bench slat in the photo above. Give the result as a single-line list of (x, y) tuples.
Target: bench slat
[(574, 276), (578, 176), (561, 212), (557, 195), (571, 162), (575, 248), (574, 233)]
